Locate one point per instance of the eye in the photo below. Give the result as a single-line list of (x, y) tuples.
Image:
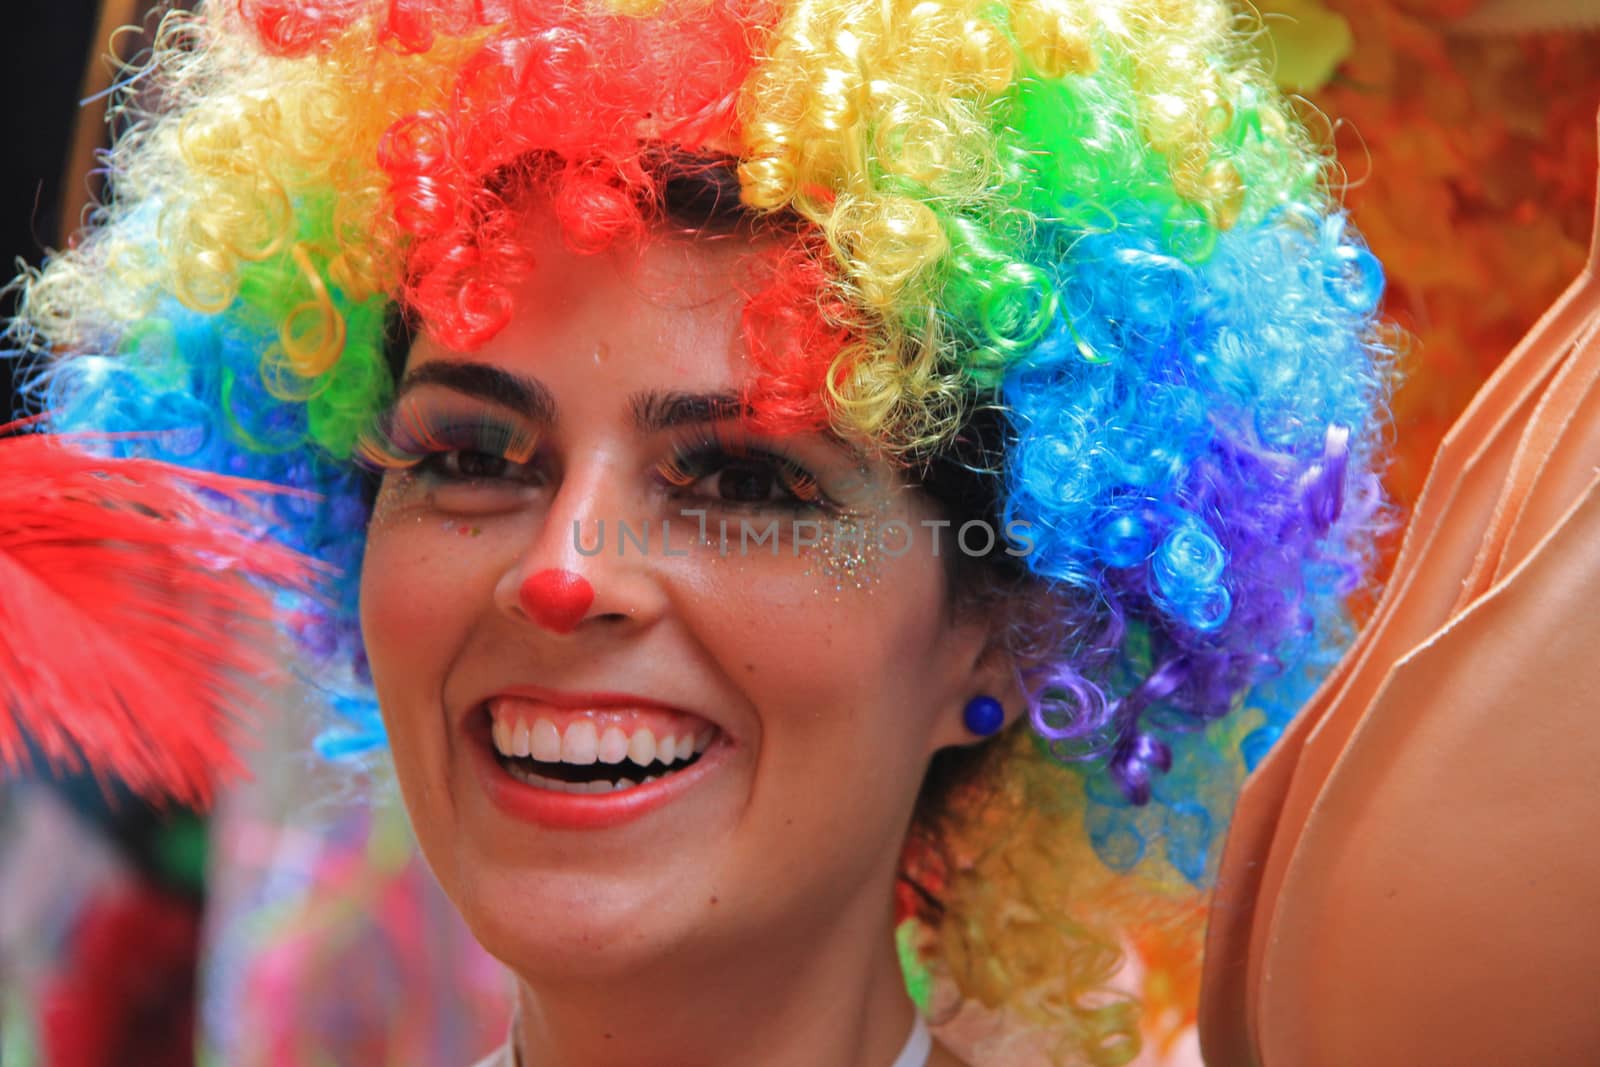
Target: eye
[(744, 482), (449, 447), (747, 479), (469, 465)]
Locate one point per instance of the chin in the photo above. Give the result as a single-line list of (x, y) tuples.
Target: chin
[(566, 926)]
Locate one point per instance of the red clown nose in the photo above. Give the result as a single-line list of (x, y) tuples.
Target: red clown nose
[(556, 599)]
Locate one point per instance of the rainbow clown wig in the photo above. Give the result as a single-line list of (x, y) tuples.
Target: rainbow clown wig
[(1079, 251)]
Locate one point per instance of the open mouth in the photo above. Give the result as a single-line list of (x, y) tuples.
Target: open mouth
[(609, 751)]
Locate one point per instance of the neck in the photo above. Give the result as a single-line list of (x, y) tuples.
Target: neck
[(831, 997)]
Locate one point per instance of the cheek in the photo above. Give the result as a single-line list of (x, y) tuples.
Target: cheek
[(422, 582), (845, 689), (831, 672), (399, 583), (421, 587)]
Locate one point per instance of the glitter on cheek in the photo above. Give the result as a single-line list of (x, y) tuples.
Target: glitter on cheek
[(848, 555), (393, 495), (402, 497)]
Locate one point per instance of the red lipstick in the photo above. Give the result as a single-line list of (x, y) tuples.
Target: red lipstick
[(550, 711)]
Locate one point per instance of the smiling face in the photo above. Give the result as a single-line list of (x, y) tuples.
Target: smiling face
[(803, 687)]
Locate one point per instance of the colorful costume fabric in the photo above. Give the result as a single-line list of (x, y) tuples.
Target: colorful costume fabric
[(1418, 811)]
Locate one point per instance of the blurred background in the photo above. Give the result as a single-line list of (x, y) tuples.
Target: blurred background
[(293, 924)]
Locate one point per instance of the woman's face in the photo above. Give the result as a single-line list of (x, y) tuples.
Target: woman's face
[(810, 682)]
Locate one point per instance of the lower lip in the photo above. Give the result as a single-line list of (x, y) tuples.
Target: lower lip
[(585, 811)]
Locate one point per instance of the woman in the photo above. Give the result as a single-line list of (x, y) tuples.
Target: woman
[(839, 462)]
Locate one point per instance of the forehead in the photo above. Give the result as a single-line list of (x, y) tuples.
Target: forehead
[(662, 311)]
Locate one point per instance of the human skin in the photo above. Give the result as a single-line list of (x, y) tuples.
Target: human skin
[(749, 919)]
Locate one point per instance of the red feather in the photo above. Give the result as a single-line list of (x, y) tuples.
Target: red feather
[(136, 620)]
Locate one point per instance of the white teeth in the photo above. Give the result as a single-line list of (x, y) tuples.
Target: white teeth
[(540, 781), (642, 748), (580, 744), (583, 788), (583, 743), (546, 742), (613, 745)]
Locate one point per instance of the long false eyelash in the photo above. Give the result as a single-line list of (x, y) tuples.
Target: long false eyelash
[(706, 449), (406, 435)]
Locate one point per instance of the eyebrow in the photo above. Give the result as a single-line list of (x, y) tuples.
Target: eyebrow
[(653, 411), (486, 382)]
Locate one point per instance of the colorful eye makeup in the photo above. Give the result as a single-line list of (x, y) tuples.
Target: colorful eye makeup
[(449, 443), (715, 464)]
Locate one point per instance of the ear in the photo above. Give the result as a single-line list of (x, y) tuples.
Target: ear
[(990, 669)]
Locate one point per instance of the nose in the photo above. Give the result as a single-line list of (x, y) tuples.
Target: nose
[(561, 581), (556, 599)]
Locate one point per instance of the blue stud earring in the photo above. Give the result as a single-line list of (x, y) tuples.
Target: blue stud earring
[(984, 716)]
